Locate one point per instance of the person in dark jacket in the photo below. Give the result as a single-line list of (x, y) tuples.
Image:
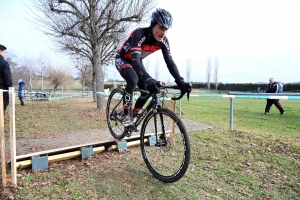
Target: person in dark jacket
[(5, 77), (273, 87), (21, 91)]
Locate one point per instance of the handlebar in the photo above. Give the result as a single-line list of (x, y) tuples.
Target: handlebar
[(162, 85), (188, 87)]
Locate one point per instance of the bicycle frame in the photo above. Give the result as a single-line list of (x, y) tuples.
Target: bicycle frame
[(153, 104)]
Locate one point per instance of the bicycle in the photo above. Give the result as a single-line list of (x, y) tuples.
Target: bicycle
[(164, 141)]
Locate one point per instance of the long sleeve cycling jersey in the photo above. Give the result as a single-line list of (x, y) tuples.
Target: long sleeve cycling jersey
[(139, 45)]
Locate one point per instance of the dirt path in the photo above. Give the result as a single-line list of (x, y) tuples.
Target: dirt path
[(53, 141)]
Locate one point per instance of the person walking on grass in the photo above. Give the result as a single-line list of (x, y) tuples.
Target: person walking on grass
[(21, 91), (273, 87)]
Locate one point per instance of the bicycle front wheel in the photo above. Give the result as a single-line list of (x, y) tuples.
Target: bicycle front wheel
[(167, 156), (114, 110)]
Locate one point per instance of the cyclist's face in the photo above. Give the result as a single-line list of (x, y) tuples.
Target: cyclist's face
[(159, 32)]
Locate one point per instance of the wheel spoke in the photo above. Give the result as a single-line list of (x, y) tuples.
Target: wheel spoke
[(169, 161), (113, 111)]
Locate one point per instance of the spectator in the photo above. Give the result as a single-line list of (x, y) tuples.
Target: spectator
[(5, 78), (280, 87), (21, 92), (258, 90), (273, 87)]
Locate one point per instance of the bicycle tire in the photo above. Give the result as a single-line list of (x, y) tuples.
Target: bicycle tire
[(115, 104), (167, 163)]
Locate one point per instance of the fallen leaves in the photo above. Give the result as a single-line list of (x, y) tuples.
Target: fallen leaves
[(86, 163), (71, 167), (9, 191), (203, 193), (208, 168)]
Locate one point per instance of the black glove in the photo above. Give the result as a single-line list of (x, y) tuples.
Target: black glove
[(152, 86), (182, 85)]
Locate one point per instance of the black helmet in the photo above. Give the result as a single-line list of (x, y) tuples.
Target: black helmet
[(162, 17)]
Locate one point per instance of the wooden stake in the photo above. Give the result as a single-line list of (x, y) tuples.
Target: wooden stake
[(12, 101), (3, 160)]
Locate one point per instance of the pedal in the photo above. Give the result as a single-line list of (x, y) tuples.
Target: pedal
[(128, 133)]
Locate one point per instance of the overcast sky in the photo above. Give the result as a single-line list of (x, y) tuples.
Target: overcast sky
[(253, 39)]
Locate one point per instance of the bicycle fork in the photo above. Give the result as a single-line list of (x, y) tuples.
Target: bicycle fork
[(161, 139)]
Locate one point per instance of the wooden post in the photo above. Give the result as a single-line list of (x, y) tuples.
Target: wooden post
[(3, 158), (12, 102), (173, 122)]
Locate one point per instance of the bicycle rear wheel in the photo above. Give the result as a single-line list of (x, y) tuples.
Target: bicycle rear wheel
[(114, 110), (169, 159)]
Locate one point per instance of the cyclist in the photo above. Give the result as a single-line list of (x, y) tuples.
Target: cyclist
[(141, 43)]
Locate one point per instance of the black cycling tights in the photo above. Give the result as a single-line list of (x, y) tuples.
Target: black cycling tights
[(132, 81)]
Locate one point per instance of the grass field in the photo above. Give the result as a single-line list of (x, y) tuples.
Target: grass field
[(248, 117), (260, 159)]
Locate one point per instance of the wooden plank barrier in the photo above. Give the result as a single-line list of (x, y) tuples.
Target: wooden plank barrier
[(54, 155)]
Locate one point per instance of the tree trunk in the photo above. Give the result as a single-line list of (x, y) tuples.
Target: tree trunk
[(82, 88), (99, 79), (30, 84), (94, 84)]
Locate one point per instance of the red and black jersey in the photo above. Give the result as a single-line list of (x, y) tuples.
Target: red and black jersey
[(140, 41), (139, 45)]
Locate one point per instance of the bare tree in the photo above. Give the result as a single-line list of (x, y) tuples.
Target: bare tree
[(29, 67), (84, 67), (90, 29), (43, 62), (216, 71), (188, 70), (208, 73), (68, 82), (22, 68), (89, 79), (156, 70), (59, 76), (15, 69)]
